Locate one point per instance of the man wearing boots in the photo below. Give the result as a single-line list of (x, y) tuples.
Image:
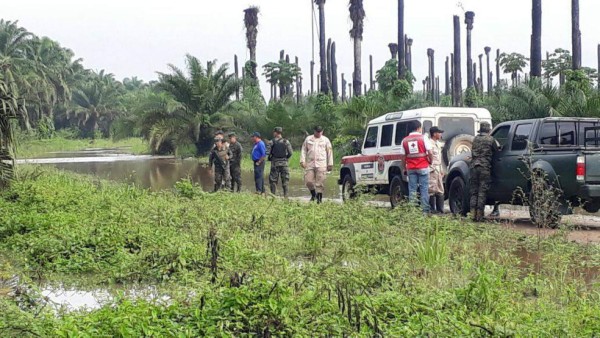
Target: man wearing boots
[(482, 153), (280, 151), (316, 158), (219, 158), (235, 163), (436, 172)]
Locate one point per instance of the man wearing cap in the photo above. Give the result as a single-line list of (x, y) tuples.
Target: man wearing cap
[(417, 156), (482, 153), (235, 163), (259, 155), (219, 158), (436, 172), (316, 158), (280, 151), (227, 177)]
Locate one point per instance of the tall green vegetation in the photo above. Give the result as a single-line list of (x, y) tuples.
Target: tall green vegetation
[(251, 24)]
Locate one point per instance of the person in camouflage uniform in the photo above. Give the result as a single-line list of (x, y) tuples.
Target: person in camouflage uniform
[(219, 158), (482, 153), (235, 163), (227, 177), (279, 152)]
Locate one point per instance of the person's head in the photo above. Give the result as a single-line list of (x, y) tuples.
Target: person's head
[(277, 132), (318, 131), (485, 128), (416, 127), (435, 133), (256, 137), (219, 134), (218, 142), (232, 138)]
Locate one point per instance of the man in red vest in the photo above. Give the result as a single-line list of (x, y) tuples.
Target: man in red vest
[(417, 156)]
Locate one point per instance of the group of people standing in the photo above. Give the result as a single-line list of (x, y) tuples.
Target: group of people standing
[(316, 158), (425, 169)]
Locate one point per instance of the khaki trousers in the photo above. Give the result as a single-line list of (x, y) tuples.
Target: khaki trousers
[(315, 178), (436, 183)]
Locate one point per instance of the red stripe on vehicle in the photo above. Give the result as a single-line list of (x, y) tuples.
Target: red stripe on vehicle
[(370, 158)]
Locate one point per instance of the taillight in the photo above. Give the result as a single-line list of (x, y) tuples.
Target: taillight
[(580, 171)]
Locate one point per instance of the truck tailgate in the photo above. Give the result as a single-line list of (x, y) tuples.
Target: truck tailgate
[(592, 167)]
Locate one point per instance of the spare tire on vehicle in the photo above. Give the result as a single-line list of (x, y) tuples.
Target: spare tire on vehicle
[(459, 144)]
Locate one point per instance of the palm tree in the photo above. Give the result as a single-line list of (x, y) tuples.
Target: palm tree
[(393, 50), (513, 64), (251, 24), (469, 16), (536, 39), (457, 76), (489, 73), (96, 101), (357, 15), (14, 44), (401, 43), (576, 34), (9, 109), (322, 46), (204, 93)]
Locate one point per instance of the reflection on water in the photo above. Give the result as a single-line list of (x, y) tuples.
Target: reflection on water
[(160, 172)]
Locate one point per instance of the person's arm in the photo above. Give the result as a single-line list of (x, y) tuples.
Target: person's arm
[(211, 160), (290, 151), (263, 152), (430, 156), (239, 154), (429, 150), (303, 155), (329, 150)]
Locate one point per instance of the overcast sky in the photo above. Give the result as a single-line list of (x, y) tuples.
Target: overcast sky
[(140, 37)]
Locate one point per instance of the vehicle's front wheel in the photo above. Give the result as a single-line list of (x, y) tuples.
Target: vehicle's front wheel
[(458, 198), (398, 191), (348, 192)]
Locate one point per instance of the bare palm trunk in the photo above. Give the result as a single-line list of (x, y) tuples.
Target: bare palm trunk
[(536, 38), (401, 45), (371, 84), (481, 73), (357, 80), (312, 77), (344, 84), (409, 43), (298, 83), (469, 16), (458, 102), (237, 76), (329, 63), (393, 50), (447, 77), (334, 80), (498, 84), (489, 74), (576, 35), (431, 82), (322, 47)]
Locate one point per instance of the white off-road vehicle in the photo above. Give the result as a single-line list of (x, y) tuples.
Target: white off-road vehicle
[(378, 167)]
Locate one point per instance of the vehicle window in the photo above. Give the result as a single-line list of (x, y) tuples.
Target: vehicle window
[(501, 135), (401, 131), (371, 139), (567, 133), (426, 126), (590, 133), (549, 134), (519, 141), (387, 133), (453, 126)]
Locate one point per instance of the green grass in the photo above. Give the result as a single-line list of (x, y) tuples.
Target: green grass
[(244, 265), (28, 148)]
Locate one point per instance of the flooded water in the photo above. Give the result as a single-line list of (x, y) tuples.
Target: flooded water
[(159, 172)]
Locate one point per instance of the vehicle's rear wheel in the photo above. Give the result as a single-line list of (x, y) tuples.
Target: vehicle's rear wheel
[(398, 191), (457, 145), (458, 198), (348, 192), (592, 206)]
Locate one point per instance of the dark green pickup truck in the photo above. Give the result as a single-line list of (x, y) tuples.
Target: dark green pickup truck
[(565, 150)]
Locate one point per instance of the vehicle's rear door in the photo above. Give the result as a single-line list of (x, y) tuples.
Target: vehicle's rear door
[(509, 169), (592, 152)]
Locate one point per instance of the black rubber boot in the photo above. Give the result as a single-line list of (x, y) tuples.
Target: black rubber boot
[(313, 195), (217, 187), (319, 198), (439, 201), (432, 204)]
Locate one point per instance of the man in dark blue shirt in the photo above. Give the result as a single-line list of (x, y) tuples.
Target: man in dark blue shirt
[(259, 154)]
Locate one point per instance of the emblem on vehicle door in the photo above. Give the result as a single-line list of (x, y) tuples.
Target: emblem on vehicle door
[(381, 164)]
